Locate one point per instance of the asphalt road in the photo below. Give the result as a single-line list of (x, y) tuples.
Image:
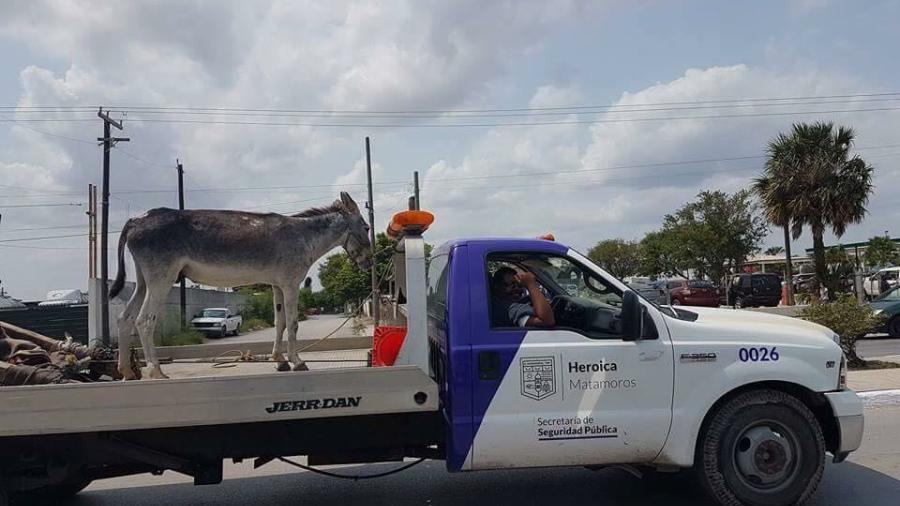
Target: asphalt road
[(878, 346), (870, 477)]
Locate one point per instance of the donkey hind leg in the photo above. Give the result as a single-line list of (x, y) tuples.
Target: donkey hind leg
[(127, 329), (290, 311), (278, 348), (157, 290)]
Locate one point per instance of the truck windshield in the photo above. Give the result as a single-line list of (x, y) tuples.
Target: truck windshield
[(213, 313)]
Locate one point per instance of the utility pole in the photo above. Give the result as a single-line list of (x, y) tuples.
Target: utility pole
[(788, 265), (416, 189), (182, 302), (92, 231), (376, 295), (108, 142)]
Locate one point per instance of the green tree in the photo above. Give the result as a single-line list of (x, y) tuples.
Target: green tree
[(663, 253), (839, 269), (849, 319), (343, 282), (710, 235), (618, 257), (811, 179), (882, 252)]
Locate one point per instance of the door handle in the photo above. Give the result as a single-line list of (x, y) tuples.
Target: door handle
[(488, 365)]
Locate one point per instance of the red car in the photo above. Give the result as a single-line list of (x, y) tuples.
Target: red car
[(694, 292)]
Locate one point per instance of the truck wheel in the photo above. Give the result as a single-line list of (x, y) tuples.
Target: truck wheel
[(893, 326), (739, 302), (762, 447), (223, 331), (237, 330)]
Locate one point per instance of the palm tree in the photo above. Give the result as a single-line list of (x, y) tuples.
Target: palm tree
[(810, 179), (774, 250)]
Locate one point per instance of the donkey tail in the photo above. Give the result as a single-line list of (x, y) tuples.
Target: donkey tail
[(120, 276)]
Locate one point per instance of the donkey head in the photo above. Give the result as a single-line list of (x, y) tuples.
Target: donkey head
[(356, 243)]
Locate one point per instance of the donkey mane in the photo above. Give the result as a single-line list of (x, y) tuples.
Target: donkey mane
[(319, 211)]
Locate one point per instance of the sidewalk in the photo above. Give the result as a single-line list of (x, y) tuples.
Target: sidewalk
[(878, 379)]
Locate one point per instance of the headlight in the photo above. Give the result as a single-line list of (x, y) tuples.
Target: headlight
[(878, 311)]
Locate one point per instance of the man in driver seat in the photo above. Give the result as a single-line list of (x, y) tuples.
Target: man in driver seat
[(511, 306)]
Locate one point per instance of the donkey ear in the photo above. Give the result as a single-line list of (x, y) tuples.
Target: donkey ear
[(348, 202)]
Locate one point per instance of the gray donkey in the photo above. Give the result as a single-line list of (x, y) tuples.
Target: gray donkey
[(230, 248)]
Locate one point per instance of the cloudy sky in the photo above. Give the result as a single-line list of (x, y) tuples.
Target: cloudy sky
[(588, 119)]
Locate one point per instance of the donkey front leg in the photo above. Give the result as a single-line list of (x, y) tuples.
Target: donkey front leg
[(290, 311), (278, 348)]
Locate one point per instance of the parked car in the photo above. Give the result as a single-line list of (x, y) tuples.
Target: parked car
[(755, 289), (693, 292), (217, 321), (650, 290), (888, 305), (881, 281)]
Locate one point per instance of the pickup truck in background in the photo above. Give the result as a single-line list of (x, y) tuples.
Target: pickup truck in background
[(218, 321)]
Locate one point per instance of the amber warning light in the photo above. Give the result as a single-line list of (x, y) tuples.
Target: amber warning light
[(410, 222)]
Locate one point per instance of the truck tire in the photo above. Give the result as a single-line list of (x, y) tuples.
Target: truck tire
[(893, 326), (739, 302), (763, 447), (224, 331)]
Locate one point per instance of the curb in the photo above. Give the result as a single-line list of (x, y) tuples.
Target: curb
[(877, 398)]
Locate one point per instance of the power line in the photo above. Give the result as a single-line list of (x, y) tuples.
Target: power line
[(47, 237), (483, 110), (482, 125), (28, 229), (40, 205), (49, 134)]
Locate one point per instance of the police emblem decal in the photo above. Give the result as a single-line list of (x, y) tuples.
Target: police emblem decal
[(538, 377)]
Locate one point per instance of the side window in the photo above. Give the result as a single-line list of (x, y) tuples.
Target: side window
[(579, 299), (745, 282), (671, 285), (436, 300)]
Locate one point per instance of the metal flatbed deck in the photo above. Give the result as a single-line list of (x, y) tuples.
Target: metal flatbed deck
[(215, 400)]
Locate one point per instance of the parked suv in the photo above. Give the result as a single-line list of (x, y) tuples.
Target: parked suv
[(694, 292), (756, 289)]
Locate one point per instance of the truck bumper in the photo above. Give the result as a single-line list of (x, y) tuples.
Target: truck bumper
[(848, 413)]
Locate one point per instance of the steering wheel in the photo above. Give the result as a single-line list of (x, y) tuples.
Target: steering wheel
[(564, 310)]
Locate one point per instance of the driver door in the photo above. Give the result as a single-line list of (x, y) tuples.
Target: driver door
[(568, 395)]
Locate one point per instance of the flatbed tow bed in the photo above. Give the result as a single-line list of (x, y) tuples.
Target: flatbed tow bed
[(101, 430), (751, 402)]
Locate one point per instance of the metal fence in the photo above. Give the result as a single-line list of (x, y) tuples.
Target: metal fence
[(51, 321)]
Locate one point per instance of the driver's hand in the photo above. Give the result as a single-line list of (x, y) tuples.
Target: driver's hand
[(526, 279)]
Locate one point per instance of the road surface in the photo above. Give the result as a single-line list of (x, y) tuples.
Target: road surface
[(878, 346), (315, 327), (871, 477)]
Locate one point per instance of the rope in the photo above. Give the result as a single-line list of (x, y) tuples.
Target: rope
[(245, 356), (356, 477)]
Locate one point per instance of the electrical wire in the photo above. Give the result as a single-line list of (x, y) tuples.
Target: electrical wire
[(91, 108), (356, 477)]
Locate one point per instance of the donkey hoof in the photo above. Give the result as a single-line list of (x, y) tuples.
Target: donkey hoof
[(283, 366), (156, 373), (300, 366)]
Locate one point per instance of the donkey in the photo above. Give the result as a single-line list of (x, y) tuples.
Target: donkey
[(230, 248)]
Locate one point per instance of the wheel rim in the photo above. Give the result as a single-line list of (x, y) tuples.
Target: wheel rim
[(766, 456), (676, 303)]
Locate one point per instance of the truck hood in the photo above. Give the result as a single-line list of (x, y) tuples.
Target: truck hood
[(753, 326), (208, 320)]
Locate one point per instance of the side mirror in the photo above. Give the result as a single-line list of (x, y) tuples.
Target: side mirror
[(632, 317)]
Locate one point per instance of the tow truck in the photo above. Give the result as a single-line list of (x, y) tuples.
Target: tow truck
[(750, 402)]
